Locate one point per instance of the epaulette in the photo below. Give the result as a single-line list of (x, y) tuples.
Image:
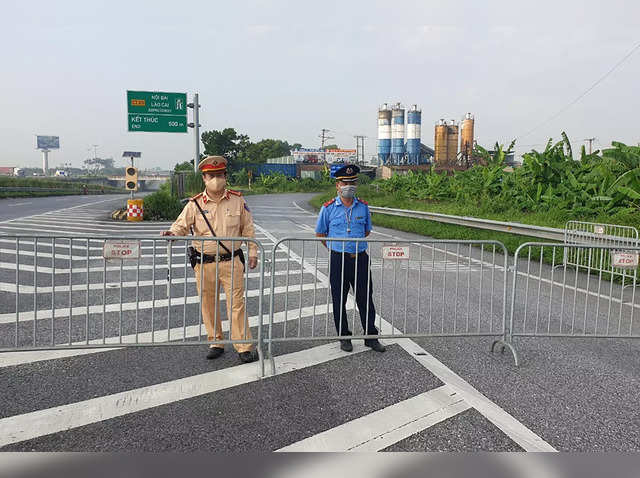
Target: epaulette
[(195, 197), (363, 201), (237, 193), (328, 203)]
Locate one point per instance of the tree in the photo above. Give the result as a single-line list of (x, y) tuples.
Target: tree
[(295, 146), (186, 166), (331, 146), (227, 143), (265, 149)]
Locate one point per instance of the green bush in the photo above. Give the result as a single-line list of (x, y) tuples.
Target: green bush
[(161, 205)]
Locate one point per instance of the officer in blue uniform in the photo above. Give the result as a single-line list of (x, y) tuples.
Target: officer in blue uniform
[(342, 217)]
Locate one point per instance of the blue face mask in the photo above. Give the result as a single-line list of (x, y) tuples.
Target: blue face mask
[(348, 191)]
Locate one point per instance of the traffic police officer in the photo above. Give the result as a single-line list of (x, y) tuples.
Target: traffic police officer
[(347, 216), (228, 214)]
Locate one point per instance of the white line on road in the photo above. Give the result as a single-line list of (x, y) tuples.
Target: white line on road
[(66, 417), (383, 428), (19, 204), (9, 359), (63, 312), (29, 289), (64, 209)]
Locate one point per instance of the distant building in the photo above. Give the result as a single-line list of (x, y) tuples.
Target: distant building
[(6, 170), (310, 155)]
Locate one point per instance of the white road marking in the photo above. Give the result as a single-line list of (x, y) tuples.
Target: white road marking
[(63, 312), (9, 359), (303, 209), (65, 209), (29, 289), (383, 428), (83, 269), (66, 417), (19, 204)]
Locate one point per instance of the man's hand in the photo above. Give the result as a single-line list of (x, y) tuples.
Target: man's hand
[(253, 262), (167, 233)]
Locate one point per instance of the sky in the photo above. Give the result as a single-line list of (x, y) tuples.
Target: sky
[(287, 69)]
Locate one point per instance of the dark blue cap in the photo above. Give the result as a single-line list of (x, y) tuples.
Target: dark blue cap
[(348, 172)]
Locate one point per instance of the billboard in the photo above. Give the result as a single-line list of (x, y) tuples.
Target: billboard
[(47, 142)]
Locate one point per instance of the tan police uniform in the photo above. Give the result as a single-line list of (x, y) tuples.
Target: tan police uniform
[(229, 217)]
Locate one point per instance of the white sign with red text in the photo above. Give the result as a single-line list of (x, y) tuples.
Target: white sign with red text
[(395, 252), (121, 249), (624, 259)]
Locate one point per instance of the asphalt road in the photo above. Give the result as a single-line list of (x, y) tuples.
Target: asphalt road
[(423, 394)]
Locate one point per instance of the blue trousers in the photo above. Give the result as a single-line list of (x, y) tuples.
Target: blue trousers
[(340, 285)]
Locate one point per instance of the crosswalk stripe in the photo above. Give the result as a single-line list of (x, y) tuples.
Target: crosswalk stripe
[(29, 289), (63, 312), (9, 359)]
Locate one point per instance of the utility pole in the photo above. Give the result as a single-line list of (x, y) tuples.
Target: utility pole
[(196, 129), (591, 140), (359, 151), (324, 137)]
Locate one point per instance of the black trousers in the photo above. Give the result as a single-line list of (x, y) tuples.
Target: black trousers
[(340, 290)]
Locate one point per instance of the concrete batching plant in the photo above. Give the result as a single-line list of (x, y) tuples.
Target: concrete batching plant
[(446, 143), (392, 147), (384, 134), (414, 120)]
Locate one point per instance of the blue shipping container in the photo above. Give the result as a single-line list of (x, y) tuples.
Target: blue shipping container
[(289, 170)]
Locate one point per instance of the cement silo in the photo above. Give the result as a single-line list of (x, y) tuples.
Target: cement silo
[(414, 121), (384, 134), (397, 134), (452, 142), (441, 142), (466, 142)]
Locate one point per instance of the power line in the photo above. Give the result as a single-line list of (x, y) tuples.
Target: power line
[(583, 94), (324, 137)]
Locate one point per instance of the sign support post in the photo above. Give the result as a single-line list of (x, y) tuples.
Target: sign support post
[(45, 162), (196, 130)]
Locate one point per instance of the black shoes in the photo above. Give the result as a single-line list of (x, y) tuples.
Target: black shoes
[(375, 345), (346, 345), (214, 352), (247, 357)]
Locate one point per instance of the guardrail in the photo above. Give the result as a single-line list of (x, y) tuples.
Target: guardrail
[(50, 190), (543, 232)]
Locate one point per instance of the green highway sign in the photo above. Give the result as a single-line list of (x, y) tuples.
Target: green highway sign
[(157, 111), (158, 123)]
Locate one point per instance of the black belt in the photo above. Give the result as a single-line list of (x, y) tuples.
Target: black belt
[(349, 254), (206, 258)]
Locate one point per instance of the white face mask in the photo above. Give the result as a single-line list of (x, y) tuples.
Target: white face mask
[(216, 184), (348, 191)]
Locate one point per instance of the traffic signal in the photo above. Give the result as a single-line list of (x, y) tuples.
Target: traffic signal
[(131, 178)]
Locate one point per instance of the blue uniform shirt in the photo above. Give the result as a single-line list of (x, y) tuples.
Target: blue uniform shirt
[(335, 220)]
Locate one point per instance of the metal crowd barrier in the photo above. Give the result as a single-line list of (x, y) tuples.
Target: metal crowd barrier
[(106, 292), (567, 302), (425, 288), (597, 234)]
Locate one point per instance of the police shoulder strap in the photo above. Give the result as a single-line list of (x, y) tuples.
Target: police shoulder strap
[(209, 225)]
